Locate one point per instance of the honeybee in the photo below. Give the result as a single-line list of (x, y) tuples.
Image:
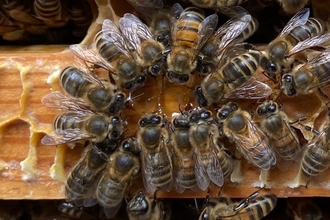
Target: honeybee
[(299, 28), (308, 77), (216, 3), (143, 208), (70, 210), (292, 6), (123, 167), (281, 136), (190, 32), (305, 209), (248, 138), (88, 169), (100, 96), (208, 56), (183, 159), (253, 207), (80, 16), (152, 137), (149, 51), (235, 80), (203, 135), (74, 126), (111, 51), (316, 157), (160, 26)]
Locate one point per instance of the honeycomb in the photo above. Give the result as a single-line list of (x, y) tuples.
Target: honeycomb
[(30, 170)]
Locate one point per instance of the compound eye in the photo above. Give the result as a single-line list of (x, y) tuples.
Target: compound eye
[(115, 120), (223, 114), (154, 69), (205, 115), (288, 78), (260, 111), (184, 78), (143, 122), (156, 120), (120, 97), (272, 108), (141, 79)]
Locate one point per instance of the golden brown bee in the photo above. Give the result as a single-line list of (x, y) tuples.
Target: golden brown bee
[(157, 169), (303, 209), (281, 136), (111, 51), (91, 92), (190, 32), (235, 79), (208, 56), (88, 170), (277, 56), (203, 135), (74, 126), (150, 53), (316, 157), (183, 151), (216, 3), (308, 77), (143, 208), (292, 6), (248, 138), (253, 207), (123, 167)]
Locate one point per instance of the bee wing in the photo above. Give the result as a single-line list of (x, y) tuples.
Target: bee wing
[(60, 101), (134, 30), (147, 172), (252, 89), (202, 179), (179, 174), (231, 30), (206, 29), (64, 136), (176, 11), (310, 42), (110, 212), (245, 144), (214, 169), (146, 7), (89, 55), (300, 18), (114, 36)]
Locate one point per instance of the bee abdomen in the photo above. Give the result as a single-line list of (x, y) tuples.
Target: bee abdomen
[(315, 161), (262, 206), (73, 82), (312, 28), (109, 193), (106, 49), (47, 9)]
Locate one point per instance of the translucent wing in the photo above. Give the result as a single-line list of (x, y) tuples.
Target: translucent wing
[(231, 30), (61, 101), (146, 7), (214, 169), (310, 42), (176, 11), (252, 89), (134, 30), (147, 171), (255, 148), (111, 211), (64, 136), (202, 179), (206, 28), (114, 36), (89, 55), (300, 18)]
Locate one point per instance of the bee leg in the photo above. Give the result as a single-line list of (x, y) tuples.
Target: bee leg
[(322, 93), (270, 76)]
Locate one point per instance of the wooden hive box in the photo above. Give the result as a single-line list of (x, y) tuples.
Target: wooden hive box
[(30, 170)]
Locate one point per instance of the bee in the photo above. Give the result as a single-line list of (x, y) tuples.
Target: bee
[(143, 208), (203, 135), (248, 138), (75, 126), (235, 79), (190, 32), (160, 26), (281, 136), (183, 159), (299, 28), (71, 211), (98, 95), (152, 137), (6, 25), (111, 52), (252, 207), (308, 77), (52, 13), (305, 209), (292, 6), (88, 169), (123, 167), (208, 56), (80, 16), (316, 157), (149, 51), (216, 3)]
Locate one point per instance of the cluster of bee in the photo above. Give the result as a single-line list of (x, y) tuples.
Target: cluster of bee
[(187, 152), (38, 21)]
